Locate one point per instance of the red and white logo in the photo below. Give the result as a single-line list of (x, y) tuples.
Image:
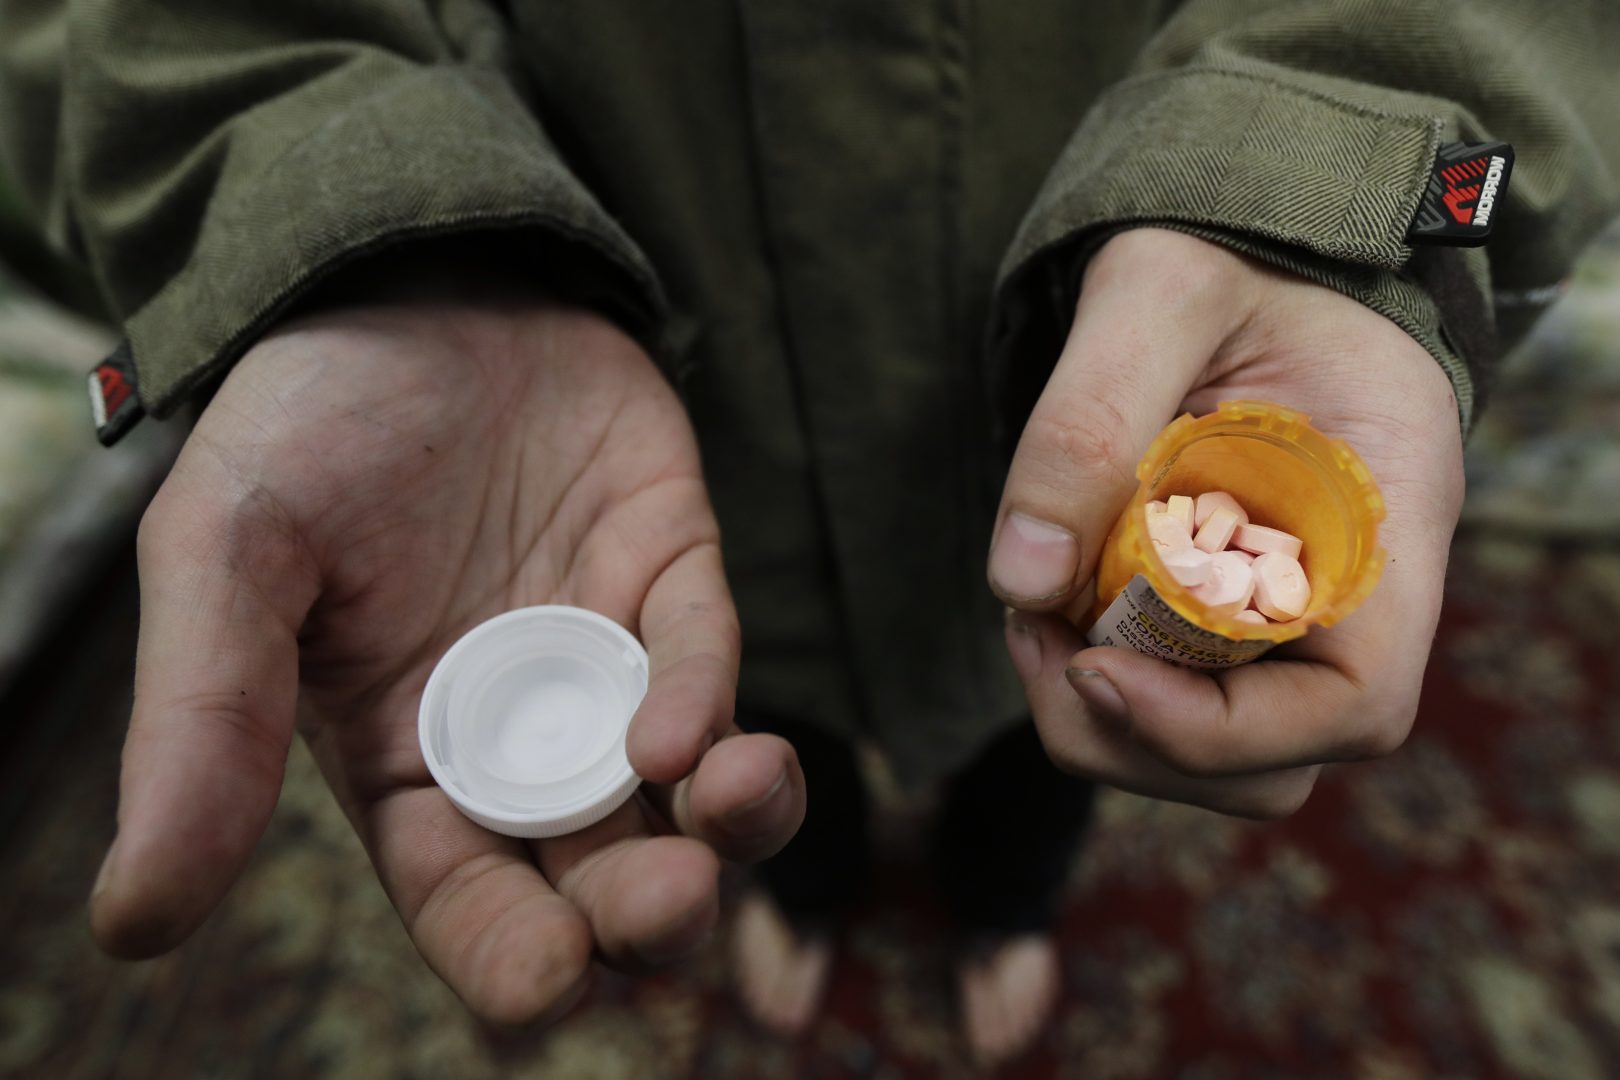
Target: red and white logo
[(108, 390), (1458, 204), (1471, 185)]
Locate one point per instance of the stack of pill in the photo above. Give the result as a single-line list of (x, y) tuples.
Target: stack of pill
[(1249, 572)]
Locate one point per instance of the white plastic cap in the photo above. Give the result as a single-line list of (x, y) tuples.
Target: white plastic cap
[(523, 721)]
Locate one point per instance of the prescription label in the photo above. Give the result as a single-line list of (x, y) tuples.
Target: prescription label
[(1140, 619)]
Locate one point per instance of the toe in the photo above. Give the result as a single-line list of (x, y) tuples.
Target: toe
[(779, 977), (1007, 997), (978, 1008)]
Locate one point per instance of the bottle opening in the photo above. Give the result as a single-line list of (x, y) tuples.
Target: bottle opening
[(1287, 475)]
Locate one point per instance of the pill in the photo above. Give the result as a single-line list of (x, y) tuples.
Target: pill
[(1260, 540), (1249, 615), (1189, 566), (1217, 531), (1230, 584), (1209, 501), (1281, 589), (1181, 508), (1167, 534), (1239, 551), (1157, 506)]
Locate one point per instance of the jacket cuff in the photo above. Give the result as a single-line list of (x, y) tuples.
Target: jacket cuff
[(1322, 187), (432, 152)]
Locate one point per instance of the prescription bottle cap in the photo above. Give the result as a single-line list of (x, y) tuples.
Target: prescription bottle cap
[(523, 721)]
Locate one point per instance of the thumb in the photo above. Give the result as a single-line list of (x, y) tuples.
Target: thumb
[(222, 596), (743, 795), (1154, 308)]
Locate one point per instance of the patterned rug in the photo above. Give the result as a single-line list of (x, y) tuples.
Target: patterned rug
[(1452, 911)]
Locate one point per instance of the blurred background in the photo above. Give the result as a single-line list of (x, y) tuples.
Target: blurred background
[(1452, 911)]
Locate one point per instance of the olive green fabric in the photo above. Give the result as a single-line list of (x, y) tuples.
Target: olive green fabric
[(26, 254), (851, 229), (1302, 132), (211, 160)]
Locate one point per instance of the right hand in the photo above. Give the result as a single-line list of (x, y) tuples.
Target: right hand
[(368, 484)]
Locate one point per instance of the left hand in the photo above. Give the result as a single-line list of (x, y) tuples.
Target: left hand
[(1166, 324)]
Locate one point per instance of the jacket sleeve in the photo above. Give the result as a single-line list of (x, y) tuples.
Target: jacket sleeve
[(211, 160), (1303, 132)]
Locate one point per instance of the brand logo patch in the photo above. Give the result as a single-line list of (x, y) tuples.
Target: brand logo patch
[(1466, 183), (113, 402)]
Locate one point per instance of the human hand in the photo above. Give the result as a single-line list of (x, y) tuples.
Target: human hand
[(1168, 323), (367, 485)]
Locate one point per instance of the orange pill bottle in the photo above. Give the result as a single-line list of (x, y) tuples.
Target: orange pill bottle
[(1287, 475)]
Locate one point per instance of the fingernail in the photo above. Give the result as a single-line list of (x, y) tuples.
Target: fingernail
[(1024, 646), (1032, 560), (1101, 696), (743, 819), (683, 940), (564, 1004)]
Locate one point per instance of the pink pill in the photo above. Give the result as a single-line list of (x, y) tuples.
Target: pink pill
[(1249, 615), (1157, 506), (1180, 507), (1230, 584), (1246, 556), (1210, 501), (1167, 534), (1189, 567), (1281, 589), (1261, 540), (1217, 530)]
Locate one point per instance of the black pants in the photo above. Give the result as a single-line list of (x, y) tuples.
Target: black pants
[(1008, 826)]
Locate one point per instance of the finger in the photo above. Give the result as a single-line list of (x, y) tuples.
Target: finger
[(649, 900), (1080, 741), (694, 646), (1151, 314), (1272, 714), (224, 587), (747, 798), (478, 909)]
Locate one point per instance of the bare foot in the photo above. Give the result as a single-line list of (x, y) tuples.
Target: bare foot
[(1008, 992), (780, 976)]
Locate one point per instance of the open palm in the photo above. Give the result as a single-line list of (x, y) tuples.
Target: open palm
[(367, 485)]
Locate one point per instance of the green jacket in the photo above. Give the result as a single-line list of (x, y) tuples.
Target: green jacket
[(841, 224)]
